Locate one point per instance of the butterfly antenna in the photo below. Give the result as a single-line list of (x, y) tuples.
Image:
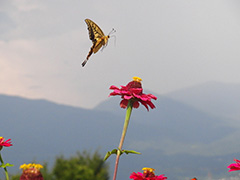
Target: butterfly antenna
[(115, 38), (112, 31)]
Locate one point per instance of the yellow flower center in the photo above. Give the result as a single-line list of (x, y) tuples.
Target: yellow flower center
[(148, 172), (138, 79), (146, 169), (31, 165)]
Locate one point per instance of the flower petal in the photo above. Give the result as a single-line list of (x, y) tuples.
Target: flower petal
[(136, 176), (152, 106), (145, 104), (136, 90), (152, 96), (136, 104), (234, 166), (6, 143), (113, 87), (127, 97), (124, 103)]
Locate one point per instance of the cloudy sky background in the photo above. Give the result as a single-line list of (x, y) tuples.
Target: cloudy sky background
[(170, 44)]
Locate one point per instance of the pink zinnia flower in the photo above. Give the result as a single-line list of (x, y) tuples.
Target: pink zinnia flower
[(6, 143), (31, 172), (133, 91), (234, 166), (148, 174)]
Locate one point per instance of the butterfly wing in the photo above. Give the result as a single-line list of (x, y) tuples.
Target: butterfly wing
[(95, 31)]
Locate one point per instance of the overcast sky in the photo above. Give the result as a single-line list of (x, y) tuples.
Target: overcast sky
[(170, 44)]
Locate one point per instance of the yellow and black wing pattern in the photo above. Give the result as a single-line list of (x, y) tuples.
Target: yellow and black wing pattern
[(97, 37), (94, 30)]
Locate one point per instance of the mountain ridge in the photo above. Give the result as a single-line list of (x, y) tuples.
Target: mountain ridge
[(211, 97)]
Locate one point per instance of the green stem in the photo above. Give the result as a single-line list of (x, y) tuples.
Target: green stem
[(5, 169), (125, 126)]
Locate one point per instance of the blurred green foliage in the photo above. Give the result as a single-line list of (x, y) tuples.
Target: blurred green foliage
[(82, 166)]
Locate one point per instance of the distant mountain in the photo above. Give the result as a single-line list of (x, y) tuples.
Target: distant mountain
[(176, 127), (173, 138), (219, 99)]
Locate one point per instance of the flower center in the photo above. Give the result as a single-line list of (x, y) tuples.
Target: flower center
[(136, 83), (30, 166), (138, 79), (148, 172)]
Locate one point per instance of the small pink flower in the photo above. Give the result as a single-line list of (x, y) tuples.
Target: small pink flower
[(6, 143), (234, 166), (148, 174), (133, 91)]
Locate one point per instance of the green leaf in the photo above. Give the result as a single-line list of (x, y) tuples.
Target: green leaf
[(109, 153), (6, 165), (114, 151), (130, 151)]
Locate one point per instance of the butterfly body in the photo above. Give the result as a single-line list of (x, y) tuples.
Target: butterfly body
[(97, 37), (101, 42)]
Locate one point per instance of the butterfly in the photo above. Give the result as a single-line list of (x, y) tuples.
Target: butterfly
[(97, 37)]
